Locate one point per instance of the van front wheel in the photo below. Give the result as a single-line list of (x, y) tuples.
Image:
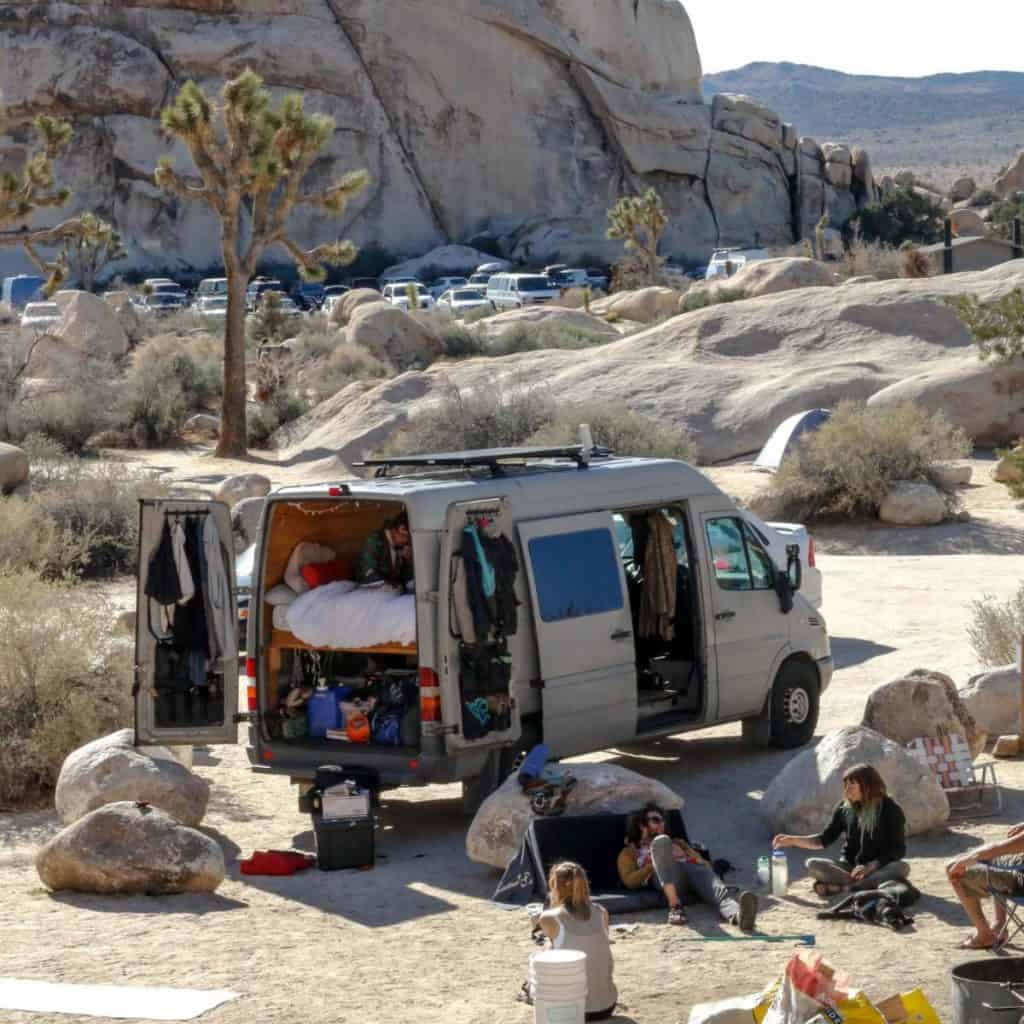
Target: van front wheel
[(795, 703)]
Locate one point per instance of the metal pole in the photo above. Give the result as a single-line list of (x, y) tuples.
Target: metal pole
[(947, 252)]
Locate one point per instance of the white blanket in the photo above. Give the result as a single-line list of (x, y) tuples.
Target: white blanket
[(344, 615)]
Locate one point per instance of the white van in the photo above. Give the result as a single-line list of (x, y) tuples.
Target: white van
[(515, 291), (574, 648), (726, 262), (211, 286)]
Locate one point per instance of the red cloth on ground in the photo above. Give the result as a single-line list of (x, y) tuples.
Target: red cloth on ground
[(276, 862)]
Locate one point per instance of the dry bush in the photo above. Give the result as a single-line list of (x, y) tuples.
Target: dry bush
[(996, 627), (863, 259), (914, 264), (547, 334), (480, 313), (622, 431), (65, 679), (459, 342), (83, 407), (711, 295), (845, 468)]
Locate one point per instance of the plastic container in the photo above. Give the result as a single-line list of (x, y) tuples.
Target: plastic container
[(764, 872), (343, 843), (780, 873), (558, 979), (322, 711)]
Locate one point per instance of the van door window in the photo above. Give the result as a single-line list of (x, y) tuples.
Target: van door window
[(576, 574), (740, 563)]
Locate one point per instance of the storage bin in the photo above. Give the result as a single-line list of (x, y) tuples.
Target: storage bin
[(343, 842)]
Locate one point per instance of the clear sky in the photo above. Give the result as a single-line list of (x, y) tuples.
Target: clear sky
[(870, 37)]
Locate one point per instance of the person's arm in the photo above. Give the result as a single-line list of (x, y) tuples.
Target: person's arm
[(835, 828), (632, 876), (803, 842), (958, 865), (604, 917), (549, 926)]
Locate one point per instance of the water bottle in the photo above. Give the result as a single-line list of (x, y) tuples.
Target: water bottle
[(780, 873), (764, 872), (322, 709)]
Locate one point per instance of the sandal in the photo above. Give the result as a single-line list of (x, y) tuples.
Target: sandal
[(823, 890), (973, 943), (677, 916)]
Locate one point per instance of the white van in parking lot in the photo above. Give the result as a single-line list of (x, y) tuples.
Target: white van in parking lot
[(515, 291), (633, 601)]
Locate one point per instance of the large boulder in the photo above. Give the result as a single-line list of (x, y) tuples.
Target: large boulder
[(393, 335), (202, 425), (801, 798), (963, 188), (237, 488), (128, 848), (496, 327), (14, 467), (766, 277), (993, 700), (245, 518), (950, 475), (497, 831), (912, 503), (90, 325), (642, 305), (1011, 181), (351, 301), (921, 703), (112, 769)]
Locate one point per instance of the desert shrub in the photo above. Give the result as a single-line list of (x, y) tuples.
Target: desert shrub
[(497, 416), (168, 377), (183, 322), (862, 259), (548, 334), (31, 540), (282, 407), (358, 363), (996, 627), (997, 326), (1004, 212), (1015, 456), (312, 344), (845, 468), (914, 264), (65, 679), (70, 416), (983, 197), (624, 432), (459, 342), (902, 215), (701, 298), (480, 313)]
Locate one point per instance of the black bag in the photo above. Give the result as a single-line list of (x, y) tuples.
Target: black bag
[(162, 583), (476, 718)]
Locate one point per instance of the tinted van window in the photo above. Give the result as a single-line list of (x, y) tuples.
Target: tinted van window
[(576, 574)]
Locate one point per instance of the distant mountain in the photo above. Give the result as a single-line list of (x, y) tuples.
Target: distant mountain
[(939, 126)]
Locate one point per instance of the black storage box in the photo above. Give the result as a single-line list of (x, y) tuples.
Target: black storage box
[(343, 842)]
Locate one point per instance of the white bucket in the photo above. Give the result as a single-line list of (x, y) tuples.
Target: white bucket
[(545, 987), (573, 1012), (559, 981), (558, 963)]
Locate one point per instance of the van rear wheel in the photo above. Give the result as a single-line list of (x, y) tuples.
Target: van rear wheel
[(795, 702)]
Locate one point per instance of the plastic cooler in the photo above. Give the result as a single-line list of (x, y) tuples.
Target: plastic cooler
[(343, 842)]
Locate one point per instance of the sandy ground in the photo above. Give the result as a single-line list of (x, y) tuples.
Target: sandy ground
[(418, 939)]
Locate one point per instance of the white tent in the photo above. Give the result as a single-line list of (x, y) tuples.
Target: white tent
[(786, 435)]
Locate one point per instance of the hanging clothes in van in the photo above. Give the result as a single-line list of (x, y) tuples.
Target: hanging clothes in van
[(658, 596)]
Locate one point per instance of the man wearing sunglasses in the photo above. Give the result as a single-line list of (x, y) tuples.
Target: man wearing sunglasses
[(653, 858)]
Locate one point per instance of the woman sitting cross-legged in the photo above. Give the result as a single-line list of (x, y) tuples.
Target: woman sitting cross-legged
[(876, 838), (574, 922)]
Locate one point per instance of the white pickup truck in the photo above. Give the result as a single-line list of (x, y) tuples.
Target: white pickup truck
[(775, 537)]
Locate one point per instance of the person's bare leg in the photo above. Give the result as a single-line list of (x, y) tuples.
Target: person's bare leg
[(984, 936)]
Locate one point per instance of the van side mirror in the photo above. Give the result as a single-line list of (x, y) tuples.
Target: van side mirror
[(794, 567)]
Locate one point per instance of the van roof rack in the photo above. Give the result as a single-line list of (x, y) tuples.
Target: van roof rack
[(493, 459)]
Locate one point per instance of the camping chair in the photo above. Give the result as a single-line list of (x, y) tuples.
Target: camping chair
[(971, 787), (1013, 909)]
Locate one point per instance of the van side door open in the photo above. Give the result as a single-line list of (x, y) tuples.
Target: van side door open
[(750, 630), (584, 631), (186, 627)]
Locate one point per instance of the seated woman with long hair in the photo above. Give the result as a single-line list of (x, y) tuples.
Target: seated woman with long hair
[(574, 922), (876, 838)]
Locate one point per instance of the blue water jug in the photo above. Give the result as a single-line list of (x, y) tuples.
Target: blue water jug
[(323, 712)]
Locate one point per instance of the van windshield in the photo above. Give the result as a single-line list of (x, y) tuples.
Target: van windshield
[(534, 284)]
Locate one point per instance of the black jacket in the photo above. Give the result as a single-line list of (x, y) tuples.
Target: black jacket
[(887, 843)]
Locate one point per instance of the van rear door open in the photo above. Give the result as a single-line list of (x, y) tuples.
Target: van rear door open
[(179, 700), (584, 631)]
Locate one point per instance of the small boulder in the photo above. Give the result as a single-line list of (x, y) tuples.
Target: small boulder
[(644, 305), (909, 503), (905, 179), (993, 700), (1011, 181), (497, 830), (393, 335), (950, 475), (202, 425), (351, 301), (245, 518), (921, 703), (967, 223), (126, 622), (1009, 468), (963, 188), (237, 488), (766, 277), (14, 467), (112, 768), (129, 849), (801, 798)]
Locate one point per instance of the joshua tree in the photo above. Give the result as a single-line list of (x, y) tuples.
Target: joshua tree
[(88, 250), (639, 221), (32, 187), (252, 162)]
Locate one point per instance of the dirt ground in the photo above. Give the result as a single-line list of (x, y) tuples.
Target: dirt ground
[(418, 939)]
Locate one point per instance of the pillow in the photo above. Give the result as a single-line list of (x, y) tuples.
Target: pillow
[(281, 594), (316, 574), (303, 554)]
